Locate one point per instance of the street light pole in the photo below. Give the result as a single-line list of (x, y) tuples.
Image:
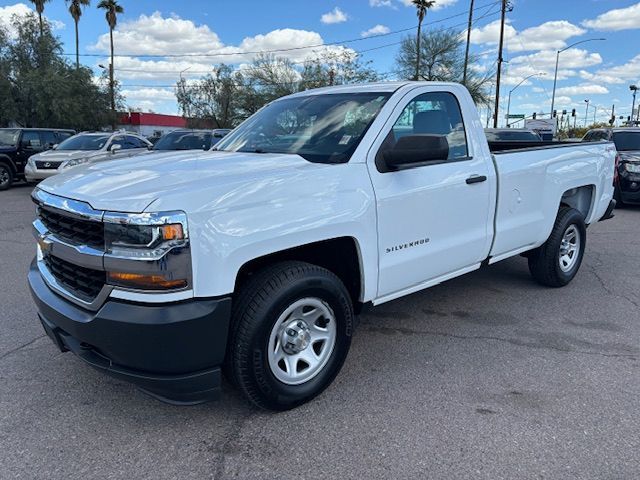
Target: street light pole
[(505, 5), (586, 113), (555, 76), (511, 91), (634, 89)]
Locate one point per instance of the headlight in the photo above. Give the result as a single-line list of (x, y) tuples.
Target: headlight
[(74, 162), (632, 167), (147, 251)]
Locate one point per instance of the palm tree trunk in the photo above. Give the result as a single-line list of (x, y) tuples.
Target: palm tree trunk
[(41, 24), (417, 75), (111, 86), (77, 47)]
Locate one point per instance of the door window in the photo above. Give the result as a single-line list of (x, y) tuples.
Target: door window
[(31, 140), (134, 142), (48, 138), (436, 113)]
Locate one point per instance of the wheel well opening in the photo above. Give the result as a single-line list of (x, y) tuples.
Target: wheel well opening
[(580, 198), (338, 255)]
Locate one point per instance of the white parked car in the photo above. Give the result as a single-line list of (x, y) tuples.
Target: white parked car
[(254, 259), (84, 148)]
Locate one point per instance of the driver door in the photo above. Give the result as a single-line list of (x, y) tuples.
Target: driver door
[(434, 219)]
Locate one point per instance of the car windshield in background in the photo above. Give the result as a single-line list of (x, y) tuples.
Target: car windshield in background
[(184, 141), (84, 142), (9, 137), (512, 136), (627, 141), (320, 128)]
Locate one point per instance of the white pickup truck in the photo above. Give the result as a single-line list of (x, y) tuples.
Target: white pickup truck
[(253, 259)]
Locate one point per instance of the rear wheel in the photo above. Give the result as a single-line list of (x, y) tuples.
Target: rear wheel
[(558, 260), (292, 326), (6, 177)]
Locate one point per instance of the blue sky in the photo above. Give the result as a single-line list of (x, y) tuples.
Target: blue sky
[(599, 71)]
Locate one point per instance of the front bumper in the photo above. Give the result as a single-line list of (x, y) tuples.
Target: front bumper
[(172, 351), (32, 174), (629, 187)]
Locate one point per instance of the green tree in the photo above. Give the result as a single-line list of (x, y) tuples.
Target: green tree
[(335, 68), (39, 88), (442, 60), (39, 4), (421, 11), (75, 9), (112, 10)]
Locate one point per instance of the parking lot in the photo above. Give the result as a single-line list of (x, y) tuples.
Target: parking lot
[(486, 376)]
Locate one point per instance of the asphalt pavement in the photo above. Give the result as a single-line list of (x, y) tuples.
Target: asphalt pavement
[(486, 376)]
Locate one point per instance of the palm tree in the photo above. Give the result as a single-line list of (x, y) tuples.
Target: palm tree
[(422, 6), (112, 10), (75, 9), (40, 9)]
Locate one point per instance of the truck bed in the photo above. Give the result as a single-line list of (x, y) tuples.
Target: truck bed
[(508, 145)]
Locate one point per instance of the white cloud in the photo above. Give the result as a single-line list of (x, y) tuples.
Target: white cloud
[(438, 5), (617, 19), (381, 3), (545, 61), (547, 36), (158, 35), (334, 16), (583, 89), (21, 10), (628, 72), (377, 30)]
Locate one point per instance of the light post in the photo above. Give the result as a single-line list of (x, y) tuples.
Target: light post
[(555, 76), (511, 91), (634, 89), (586, 113)]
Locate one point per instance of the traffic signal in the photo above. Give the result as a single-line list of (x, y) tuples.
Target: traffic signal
[(564, 112), (534, 115), (555, 113), (573, 112)]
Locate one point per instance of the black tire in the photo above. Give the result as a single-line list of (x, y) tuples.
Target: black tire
[(544, 261), (6, 176), (617, 196), (258, 306)]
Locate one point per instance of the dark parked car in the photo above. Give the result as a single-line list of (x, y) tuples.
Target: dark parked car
[(18, 144), (627, 176), (189, 139)]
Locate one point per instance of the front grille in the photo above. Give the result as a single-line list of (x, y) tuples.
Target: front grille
[(83, 232), (84, 283), (41, 165)]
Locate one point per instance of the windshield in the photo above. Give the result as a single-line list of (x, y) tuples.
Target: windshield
[(512, 135), (184, 141), (84, 142), (320, 128), (9, 137), (627, 141)]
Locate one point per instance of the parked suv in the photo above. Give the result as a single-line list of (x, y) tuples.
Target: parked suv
[(17, 145), (84, 148), (627, 178)]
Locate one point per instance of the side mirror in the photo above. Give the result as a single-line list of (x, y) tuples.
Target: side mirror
[(115, 147), (54, 146), (413, 149)]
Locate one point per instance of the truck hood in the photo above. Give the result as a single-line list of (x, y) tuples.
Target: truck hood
[(132, 184)]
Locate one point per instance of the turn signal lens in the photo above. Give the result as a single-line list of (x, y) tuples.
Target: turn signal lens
[(172, 232), (136, 280)]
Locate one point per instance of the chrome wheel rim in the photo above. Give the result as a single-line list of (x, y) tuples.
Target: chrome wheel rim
[(569, 249), (4, 176), (301, 341)]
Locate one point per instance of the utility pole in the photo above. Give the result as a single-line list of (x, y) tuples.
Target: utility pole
[(634, 89), (505, 5), (586, 113), (466, 53)]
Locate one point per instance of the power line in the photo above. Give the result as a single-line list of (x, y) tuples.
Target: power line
[(289, 49)]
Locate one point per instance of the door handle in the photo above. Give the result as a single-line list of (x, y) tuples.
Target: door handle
[(476, 179)]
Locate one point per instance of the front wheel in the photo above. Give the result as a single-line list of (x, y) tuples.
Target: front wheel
[(6, 177), (291, 332), (558, 260)]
